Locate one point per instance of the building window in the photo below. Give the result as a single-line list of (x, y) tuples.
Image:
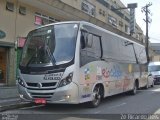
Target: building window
[(112, 21), (38, 20), (88, 8), (121, 23), (21, 42), (44, 19), (10, 6), (127, 19), (104, 2), (137, 36), (102, 12), (22, 10), (115, 4), (126, 29)]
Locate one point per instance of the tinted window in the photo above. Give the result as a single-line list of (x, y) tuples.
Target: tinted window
[(92, 50)]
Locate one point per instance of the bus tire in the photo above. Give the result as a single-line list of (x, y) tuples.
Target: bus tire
[(98, 95), (134, 91), (147, 86), (152, 84)]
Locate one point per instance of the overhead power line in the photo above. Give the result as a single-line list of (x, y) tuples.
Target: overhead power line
[(154, 38)]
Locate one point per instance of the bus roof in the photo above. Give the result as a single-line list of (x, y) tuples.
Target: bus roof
[(93, 25)]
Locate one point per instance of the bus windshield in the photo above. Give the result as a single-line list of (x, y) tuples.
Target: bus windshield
[(154, 68), (49, 46)]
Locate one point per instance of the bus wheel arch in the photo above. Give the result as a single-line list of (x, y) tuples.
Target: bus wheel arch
[(135, 87), (152, 84), (137, 83), (147, 85), (98, 95)]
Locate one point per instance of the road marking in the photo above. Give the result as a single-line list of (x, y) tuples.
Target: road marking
[(156, 90), (157, 112), (118, 105), (37, 106)]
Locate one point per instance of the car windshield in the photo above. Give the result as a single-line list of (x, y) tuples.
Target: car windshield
[(51, 45), (154, 68)]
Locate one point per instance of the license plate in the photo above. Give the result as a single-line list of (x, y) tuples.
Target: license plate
[(40, 101)]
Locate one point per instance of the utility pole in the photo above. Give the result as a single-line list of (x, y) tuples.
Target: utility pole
[(147, 20)]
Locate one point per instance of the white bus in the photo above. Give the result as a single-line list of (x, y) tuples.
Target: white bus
[(76, 62)]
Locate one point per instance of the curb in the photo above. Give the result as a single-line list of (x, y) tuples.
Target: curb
[(14, 106)]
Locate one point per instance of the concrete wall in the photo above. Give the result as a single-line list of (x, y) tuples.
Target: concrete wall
[(156, 58), (8, 92), (7, 22), (77, 4)]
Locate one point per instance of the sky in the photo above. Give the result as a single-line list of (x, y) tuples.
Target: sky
[(154, 26)]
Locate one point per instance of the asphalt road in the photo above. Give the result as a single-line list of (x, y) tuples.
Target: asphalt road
[(123, 106)]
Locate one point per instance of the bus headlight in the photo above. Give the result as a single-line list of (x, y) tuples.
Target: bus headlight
[(66, 80), (20, 81)]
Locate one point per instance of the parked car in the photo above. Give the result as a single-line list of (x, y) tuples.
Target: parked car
[(151, 81), (154, 70)]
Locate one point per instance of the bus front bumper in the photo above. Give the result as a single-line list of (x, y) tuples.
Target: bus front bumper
[(67, 94)]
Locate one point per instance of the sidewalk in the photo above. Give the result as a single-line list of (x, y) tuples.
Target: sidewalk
[(9, 99), (8, 92)]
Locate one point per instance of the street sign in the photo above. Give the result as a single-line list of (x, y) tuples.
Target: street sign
[(132, 5), (2, 34), (132, 20)]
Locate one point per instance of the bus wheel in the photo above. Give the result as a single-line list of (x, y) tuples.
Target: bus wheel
[(97, 94), (147, 86), (152, 84), (134, 91)]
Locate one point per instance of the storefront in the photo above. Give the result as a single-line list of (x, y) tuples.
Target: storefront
[(7, 64), (3, 65)]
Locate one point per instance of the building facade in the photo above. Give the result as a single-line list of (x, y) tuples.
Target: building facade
[(104, 10), (18, 17)]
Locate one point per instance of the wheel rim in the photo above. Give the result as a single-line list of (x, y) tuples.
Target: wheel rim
[(97, 96), (147, 86), (135, 89)]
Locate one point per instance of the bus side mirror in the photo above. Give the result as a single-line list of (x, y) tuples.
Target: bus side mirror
[(82, 42)]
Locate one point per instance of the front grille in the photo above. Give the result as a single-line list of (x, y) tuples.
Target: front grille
[(41, 95), (48, 84), (32, 84), (41, 88), (51, 84)]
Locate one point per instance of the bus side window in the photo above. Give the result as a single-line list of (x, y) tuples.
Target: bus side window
[(83, 44), (90, 48), (86, 40)]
